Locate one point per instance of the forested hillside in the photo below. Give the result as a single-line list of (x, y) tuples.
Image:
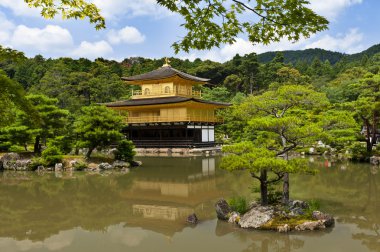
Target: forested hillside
[(308, 55), (76, 83), (60, 88)]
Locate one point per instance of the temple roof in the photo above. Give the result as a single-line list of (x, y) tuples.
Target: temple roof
[(163, 73), (162, 100)]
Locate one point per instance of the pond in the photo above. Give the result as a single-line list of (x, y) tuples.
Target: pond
[(146, 209)]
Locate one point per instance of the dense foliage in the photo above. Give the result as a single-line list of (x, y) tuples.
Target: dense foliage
[(124, 151), (97, 127), (43, 100)]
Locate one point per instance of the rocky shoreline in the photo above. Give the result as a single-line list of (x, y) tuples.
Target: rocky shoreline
[(296, 216), (17, 162)]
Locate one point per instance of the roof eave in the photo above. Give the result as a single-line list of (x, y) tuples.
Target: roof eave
[(136, 81)]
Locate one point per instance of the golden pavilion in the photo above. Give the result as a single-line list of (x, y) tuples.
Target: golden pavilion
[(168, 111)]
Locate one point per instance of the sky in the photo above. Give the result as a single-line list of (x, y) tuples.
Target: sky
[(143, 28)]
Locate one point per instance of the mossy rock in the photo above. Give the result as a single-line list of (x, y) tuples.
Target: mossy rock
[(279, 221)]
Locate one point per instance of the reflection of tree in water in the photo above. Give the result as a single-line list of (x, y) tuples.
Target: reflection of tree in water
[(350, 192), (156, 197), (37, 207), (371, 210), (261, 241), (283, 243)]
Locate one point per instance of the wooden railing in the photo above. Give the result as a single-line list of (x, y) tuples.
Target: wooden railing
[(154, 119), (137, 94)]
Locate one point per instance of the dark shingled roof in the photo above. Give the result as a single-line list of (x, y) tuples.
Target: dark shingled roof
[(163, 73), (164, 100)]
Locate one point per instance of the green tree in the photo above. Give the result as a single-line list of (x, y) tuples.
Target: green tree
[(216, 94), (12, 96), (233, 82), (97, 127), (9, 59), (77, 9), (275, 20), (282, 120), (249, 69), (340, 128), (231, 129), (53, 120), (268, 72), (346, 86), (18, 135), (288, 75), (29, 72), (259, 162), (367, 107)]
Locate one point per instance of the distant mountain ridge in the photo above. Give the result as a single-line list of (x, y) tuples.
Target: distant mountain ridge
[(308, 55)]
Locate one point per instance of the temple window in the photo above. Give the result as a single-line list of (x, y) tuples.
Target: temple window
[(146, 91), (167, 90)]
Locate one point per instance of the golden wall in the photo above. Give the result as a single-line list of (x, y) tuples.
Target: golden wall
[(174, 114)]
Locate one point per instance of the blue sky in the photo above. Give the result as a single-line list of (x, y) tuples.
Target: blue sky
[(142, 28)]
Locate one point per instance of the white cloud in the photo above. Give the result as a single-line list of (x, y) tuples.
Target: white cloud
[(128, 35), (92, 50), (20, 8), (52, 38), (6, 29), (110, 9), (132, 237), (348, 43), (113, 9), (5, 23), (331, 8), (56, 242), (242, 47)]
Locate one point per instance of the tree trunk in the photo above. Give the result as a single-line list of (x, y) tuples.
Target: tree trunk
[(265, 245), (250, 83), (89, 152), (44, 140), (264, 187), (285, 189), (37, 145), (374, 129), (368, 137), (285, 186)]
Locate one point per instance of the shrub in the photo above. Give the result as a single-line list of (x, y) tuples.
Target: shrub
[(4, 146), (125, 151), (314, 205), (16, 148), (52, 155), (274, 196), (36, 161), (80, 166), (64, 143), (321, 150), (238, 204), (358, 152)]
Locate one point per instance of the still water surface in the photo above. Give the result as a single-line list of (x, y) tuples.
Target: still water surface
[(146, 209)]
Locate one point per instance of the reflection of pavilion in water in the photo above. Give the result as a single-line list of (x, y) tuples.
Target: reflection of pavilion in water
[(167, 193)]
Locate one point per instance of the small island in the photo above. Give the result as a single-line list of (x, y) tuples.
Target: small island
[(297, 215)]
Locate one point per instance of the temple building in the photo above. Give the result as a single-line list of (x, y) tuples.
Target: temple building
[(168, 110)]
